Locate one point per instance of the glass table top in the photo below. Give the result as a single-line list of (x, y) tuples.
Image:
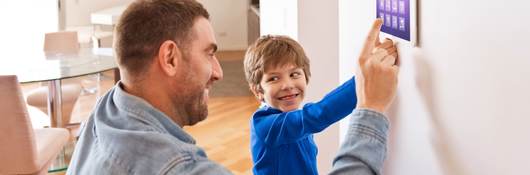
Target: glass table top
[(44, 67)]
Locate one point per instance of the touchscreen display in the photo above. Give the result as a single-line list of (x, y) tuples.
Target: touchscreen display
[(396, 17)]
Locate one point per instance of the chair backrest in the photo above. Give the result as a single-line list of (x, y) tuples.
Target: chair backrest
[(17, 138), (61, 42)]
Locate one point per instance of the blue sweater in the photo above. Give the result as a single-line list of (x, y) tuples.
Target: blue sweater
[(282, 142)]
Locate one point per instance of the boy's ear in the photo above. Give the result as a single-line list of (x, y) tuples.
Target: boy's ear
[(255, 90)]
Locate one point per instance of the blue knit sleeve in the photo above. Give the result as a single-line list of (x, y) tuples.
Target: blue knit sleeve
[(275, 127)]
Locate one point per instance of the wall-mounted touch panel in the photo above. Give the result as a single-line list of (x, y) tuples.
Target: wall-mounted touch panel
[(399, 19)]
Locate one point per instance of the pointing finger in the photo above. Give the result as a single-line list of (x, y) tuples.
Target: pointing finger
[(372, 40)]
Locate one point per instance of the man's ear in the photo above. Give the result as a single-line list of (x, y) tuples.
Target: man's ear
[(256, 91), (168, 58)]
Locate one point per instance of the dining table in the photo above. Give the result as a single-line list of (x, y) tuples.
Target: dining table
[(32, 67), (54, 67)]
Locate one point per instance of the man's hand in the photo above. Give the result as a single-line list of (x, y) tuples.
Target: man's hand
[(376, 78)]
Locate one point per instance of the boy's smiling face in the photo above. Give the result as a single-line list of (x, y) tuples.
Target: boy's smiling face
[(283, 87)]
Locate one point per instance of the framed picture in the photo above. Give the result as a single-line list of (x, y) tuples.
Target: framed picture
[(399, 19)]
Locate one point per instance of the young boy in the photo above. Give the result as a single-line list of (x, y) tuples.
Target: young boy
[(277, 71)]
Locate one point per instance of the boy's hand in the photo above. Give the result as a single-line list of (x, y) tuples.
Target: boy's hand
[(376, 78)]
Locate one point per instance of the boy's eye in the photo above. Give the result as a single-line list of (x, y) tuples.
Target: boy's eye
[(272, 79), (296, 74)]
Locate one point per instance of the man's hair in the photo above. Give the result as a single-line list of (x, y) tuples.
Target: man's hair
[(146, 24), (270, 51)]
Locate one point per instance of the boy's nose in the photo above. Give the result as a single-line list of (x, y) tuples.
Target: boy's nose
[(288, 85)]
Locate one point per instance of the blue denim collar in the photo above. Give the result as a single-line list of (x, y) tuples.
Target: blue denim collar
[(155, 117)]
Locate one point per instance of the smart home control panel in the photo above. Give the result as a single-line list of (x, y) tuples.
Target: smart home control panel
[(399, 19)]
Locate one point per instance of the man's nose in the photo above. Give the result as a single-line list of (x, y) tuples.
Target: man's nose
[(217, 71)]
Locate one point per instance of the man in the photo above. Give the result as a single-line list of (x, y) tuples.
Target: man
[(165, 51)]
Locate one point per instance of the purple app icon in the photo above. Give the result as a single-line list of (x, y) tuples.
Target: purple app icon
[(394, 6), (396, 17), (387, 21), (401, 24), (402, 7), (394, 22)]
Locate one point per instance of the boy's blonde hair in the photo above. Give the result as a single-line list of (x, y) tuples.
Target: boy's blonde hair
[(271, 51)]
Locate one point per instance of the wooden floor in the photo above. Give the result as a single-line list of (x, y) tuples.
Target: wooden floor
[(224, 135)]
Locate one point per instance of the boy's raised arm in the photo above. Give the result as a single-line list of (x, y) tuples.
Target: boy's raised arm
[(288, 127)]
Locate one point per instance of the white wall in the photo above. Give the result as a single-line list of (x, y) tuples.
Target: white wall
[(24, 24), (462, 102), (78, 11), (228, 18), (279, 17), (229, 21)]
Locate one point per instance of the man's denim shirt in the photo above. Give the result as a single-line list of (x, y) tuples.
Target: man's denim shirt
[(126, 135)]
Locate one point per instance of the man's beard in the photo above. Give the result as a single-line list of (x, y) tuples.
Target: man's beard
[(190, 101), (195, 107)]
